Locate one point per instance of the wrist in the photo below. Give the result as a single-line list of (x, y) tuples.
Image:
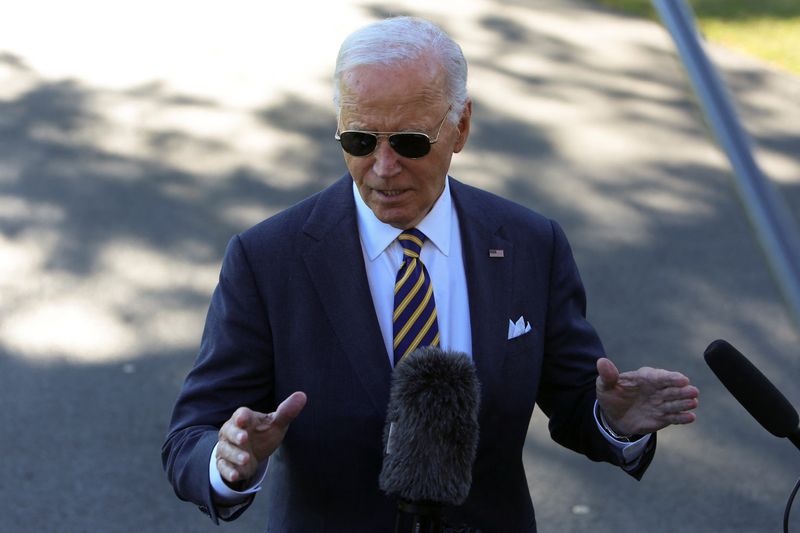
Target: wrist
[(615, 433)]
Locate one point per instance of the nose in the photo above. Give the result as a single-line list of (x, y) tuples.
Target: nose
[(387, 162)]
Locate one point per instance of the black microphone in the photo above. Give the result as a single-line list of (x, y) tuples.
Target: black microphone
[(753, 390), (431, 436)]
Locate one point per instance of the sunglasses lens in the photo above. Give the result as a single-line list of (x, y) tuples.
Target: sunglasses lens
[(411, 145), (360, 144), (357, 143)]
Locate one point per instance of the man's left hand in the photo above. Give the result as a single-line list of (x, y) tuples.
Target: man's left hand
[(645, 400)]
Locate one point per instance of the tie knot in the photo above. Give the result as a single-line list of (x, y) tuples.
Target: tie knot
[(411, 240)]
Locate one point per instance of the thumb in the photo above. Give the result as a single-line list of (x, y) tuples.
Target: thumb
[(608, 374), (288, 409)]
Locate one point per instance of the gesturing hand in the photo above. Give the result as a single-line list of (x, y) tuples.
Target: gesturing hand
[(249, 437), (645, 400)]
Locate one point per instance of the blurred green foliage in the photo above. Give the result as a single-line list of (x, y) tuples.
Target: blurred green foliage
[(768, 29)]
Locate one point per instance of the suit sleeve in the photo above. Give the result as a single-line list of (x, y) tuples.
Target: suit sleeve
[(572, 347), (234, 368)]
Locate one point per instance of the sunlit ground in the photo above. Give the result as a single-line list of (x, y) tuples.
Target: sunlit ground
[(120, 92)]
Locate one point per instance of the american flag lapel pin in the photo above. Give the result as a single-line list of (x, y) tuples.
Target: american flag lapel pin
[(496, 253)]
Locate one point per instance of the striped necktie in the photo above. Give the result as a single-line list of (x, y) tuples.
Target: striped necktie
[(414, 317)]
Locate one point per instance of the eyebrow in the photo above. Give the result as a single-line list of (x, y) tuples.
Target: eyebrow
[(417, 128)]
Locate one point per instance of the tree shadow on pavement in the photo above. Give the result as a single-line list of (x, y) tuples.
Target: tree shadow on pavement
[(72, 212)]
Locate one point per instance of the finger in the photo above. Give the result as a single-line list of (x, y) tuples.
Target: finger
[(243, 417), (680, 418), (286, 411), (653, 377), (679, 406), (232, 454), (671, 394), (232, 433), (666, 378), (608, 374), (228, 471)]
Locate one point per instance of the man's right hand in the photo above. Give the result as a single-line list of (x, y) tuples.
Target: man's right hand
[(249, 437)]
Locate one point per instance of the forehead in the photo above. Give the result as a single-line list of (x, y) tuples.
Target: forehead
[(382, 97)]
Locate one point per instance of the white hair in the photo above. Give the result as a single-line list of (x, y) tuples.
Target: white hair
[(397, 39)]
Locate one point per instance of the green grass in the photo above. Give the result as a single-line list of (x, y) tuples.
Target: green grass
[(768, 29)]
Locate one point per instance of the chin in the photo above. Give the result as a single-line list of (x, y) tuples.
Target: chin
[(397, 222), (390, 216)]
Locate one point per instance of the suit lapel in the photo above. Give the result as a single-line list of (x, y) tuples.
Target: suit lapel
[(335, 264), (489, 283)]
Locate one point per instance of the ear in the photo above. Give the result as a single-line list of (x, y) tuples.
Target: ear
[(463, 127)]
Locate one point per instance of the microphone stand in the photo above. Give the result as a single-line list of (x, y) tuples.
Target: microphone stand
[(789, 507), (794, 437), (418, 517)]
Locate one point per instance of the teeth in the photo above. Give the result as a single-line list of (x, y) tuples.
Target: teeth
[(391, 193)]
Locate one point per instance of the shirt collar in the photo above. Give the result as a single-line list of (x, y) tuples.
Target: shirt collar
[(377, 236)]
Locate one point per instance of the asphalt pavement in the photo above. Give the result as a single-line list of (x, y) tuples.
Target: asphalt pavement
[(136, 138)]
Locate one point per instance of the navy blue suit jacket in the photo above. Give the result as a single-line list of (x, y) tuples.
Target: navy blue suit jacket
[(293, 311)]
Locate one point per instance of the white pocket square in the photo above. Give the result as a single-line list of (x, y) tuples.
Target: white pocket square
[(520, 327)]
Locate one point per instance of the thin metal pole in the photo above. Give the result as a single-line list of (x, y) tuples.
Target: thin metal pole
[(774, 225)]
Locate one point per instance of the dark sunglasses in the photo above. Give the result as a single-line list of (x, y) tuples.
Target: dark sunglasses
[(410, 144)]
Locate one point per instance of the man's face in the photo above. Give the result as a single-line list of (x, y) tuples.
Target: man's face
[(406, 97)]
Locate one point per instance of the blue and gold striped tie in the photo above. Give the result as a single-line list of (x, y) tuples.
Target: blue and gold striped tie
[(414, 317)]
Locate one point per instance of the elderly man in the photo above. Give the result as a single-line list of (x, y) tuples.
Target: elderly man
[(315, 305)]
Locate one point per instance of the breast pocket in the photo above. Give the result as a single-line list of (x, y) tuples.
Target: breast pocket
[(520, 375), (522, 343)]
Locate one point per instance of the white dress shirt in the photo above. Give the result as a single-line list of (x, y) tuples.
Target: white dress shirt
[(442, 257)]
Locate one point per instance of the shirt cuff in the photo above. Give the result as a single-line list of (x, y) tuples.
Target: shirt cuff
[(629, 452), (223, 494)]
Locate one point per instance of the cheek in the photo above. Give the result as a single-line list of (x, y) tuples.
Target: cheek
[(433, 174), (357, 167)]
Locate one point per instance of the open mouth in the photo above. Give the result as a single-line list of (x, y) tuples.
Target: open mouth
[(392, 193)]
